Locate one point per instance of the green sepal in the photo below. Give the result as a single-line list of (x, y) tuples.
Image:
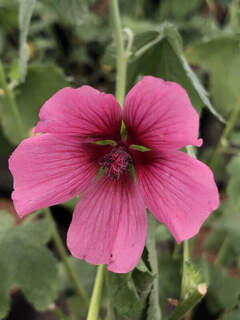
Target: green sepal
[(139, 148), (106, 143)]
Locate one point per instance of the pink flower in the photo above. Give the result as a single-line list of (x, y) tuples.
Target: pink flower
[(109, 223)]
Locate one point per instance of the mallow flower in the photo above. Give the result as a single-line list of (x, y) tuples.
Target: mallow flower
[(81, 134)]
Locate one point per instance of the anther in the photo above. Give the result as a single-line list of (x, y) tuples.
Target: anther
[(116, 163)]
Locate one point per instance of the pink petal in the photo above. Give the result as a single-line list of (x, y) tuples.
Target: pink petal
[(159, 115), (48, 170), (179, 191), (85, 112), (109, 225)]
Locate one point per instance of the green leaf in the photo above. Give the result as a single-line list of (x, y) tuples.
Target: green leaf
[(74, 12), (159, 53), (26, 8), (221, 57), (235, 138), (27, 264), (183, 7), (85, 271), (223, 291), (6, 221), (123, 294), (41, 83), (234, 315)]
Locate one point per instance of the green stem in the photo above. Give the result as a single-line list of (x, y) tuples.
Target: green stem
[(64, 257), (227, 130), (97, 293), (121, 55), (188, 304), (11, 103), (186, 258), (222, 252)]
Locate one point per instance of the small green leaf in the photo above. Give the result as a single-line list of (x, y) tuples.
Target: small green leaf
[(123, 294), (26, 8)]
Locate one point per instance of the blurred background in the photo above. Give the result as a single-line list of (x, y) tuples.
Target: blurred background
[(69, 43)]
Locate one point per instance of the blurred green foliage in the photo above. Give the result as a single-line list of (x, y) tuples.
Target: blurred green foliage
[(49, 44)]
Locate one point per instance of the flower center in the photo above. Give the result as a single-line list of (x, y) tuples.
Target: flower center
[(116, 162)]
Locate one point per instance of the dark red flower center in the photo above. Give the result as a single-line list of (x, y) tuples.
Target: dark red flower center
[(116, 162)]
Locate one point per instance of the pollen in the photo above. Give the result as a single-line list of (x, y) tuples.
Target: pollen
[(116, 163)]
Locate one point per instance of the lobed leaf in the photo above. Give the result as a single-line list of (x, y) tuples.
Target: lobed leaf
[(26, 263)]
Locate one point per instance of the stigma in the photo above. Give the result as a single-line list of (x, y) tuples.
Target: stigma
[(116, 163)]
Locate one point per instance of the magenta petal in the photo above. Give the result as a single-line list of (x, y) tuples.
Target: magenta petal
[(109, 225), (179, 191), (159, 115), (48, 170), (85, 112)]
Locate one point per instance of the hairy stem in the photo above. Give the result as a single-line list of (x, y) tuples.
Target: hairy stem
[(97, 294), (64, 257), (186, 258), (188, 304)]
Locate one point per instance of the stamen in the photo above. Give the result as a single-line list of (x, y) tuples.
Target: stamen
[(116, 163)]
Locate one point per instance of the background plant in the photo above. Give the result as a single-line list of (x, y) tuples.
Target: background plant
[(46, 45)]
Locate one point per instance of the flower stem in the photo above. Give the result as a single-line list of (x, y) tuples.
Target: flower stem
[(186, 305), (11, 103), (97, 293), (186, 258), (63, 254), (121, 55), (227, 130), (120, 95)]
